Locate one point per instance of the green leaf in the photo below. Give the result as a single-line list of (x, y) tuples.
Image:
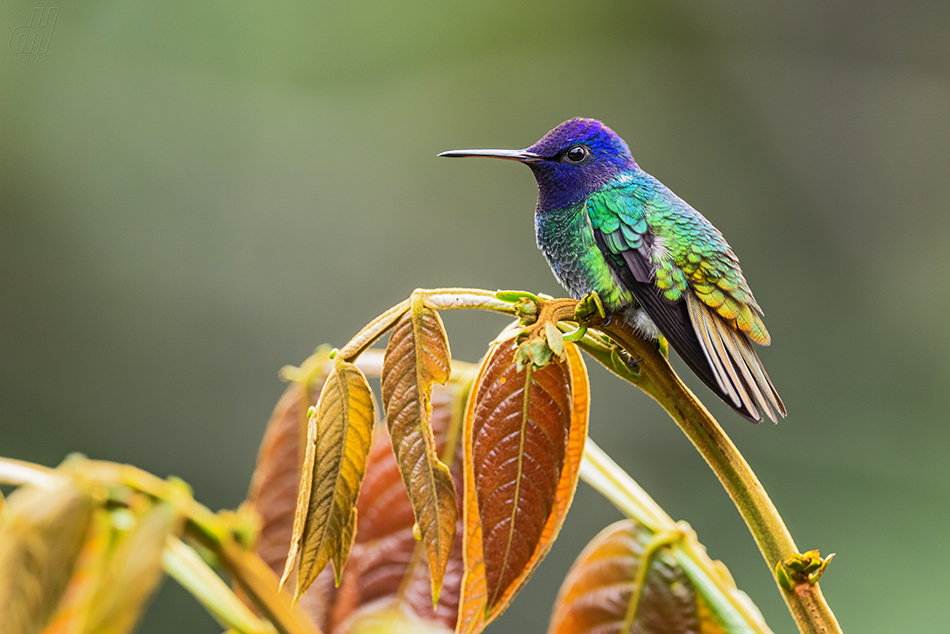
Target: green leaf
[(39, 544)]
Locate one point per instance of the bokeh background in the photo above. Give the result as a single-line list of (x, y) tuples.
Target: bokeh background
[(195, 194)]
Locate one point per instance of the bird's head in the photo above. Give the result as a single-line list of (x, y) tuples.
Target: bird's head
[(571, 162)]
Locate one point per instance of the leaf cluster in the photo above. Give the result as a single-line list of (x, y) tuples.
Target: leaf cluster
[(466, 485)]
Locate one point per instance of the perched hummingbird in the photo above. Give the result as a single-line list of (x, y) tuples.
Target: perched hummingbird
[(605, 225)]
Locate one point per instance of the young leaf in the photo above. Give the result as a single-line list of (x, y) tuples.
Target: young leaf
[(524, 435), (338, 440), (387, 575), (418, 356), (276, 479), (133, 573), (39, 544), (608, 590)]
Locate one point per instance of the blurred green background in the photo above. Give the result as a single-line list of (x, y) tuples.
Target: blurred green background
[(195, 194)]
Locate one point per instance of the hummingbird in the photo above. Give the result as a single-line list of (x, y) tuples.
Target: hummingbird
[(604, 225)]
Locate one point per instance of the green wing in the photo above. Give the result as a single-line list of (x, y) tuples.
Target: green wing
[(688, 280)]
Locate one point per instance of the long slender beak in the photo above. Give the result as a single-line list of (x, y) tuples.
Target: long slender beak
[(522, 156)]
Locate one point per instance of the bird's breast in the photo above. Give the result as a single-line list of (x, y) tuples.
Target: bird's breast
[(567, 241)]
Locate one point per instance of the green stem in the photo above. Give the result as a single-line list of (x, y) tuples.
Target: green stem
[(465, 298), (601, 472), (806, 603), (436, 299), (650, 551), (373, 331), (186, 567)]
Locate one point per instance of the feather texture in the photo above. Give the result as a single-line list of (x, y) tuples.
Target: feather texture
[(735, 365)]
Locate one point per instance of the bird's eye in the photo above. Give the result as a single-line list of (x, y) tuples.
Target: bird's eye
[(577, 154)]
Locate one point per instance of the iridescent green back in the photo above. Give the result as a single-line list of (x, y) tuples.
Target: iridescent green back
[(681, 248)]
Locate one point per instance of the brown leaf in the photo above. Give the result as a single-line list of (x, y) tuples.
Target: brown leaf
[(418, 356), (524, 436), (275, 482), (601, 595), (387, 574), (133, 573), (338, 440), (40, 540)]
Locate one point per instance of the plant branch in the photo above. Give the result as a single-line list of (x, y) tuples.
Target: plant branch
[(654, 375), (207, 527), (657, 378), (184, 565), (610, 480)]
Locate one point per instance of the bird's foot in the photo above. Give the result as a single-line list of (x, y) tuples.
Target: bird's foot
[(589, 306), (629, 360)]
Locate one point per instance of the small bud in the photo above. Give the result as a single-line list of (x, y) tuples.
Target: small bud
[(540, 352), (523, 356), (783, 578), (555, 340), (526, 307)]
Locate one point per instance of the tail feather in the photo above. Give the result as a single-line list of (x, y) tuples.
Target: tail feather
[(714, 349), (735, 365), (694, 345)]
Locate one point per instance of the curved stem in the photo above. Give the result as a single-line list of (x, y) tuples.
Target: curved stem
[(607, 478), (436, 299), (657, 378), (601, 472)]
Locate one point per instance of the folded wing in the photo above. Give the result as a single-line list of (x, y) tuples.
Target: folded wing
[(690, 284)]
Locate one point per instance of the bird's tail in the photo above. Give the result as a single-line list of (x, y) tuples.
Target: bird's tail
[(733, 365)]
